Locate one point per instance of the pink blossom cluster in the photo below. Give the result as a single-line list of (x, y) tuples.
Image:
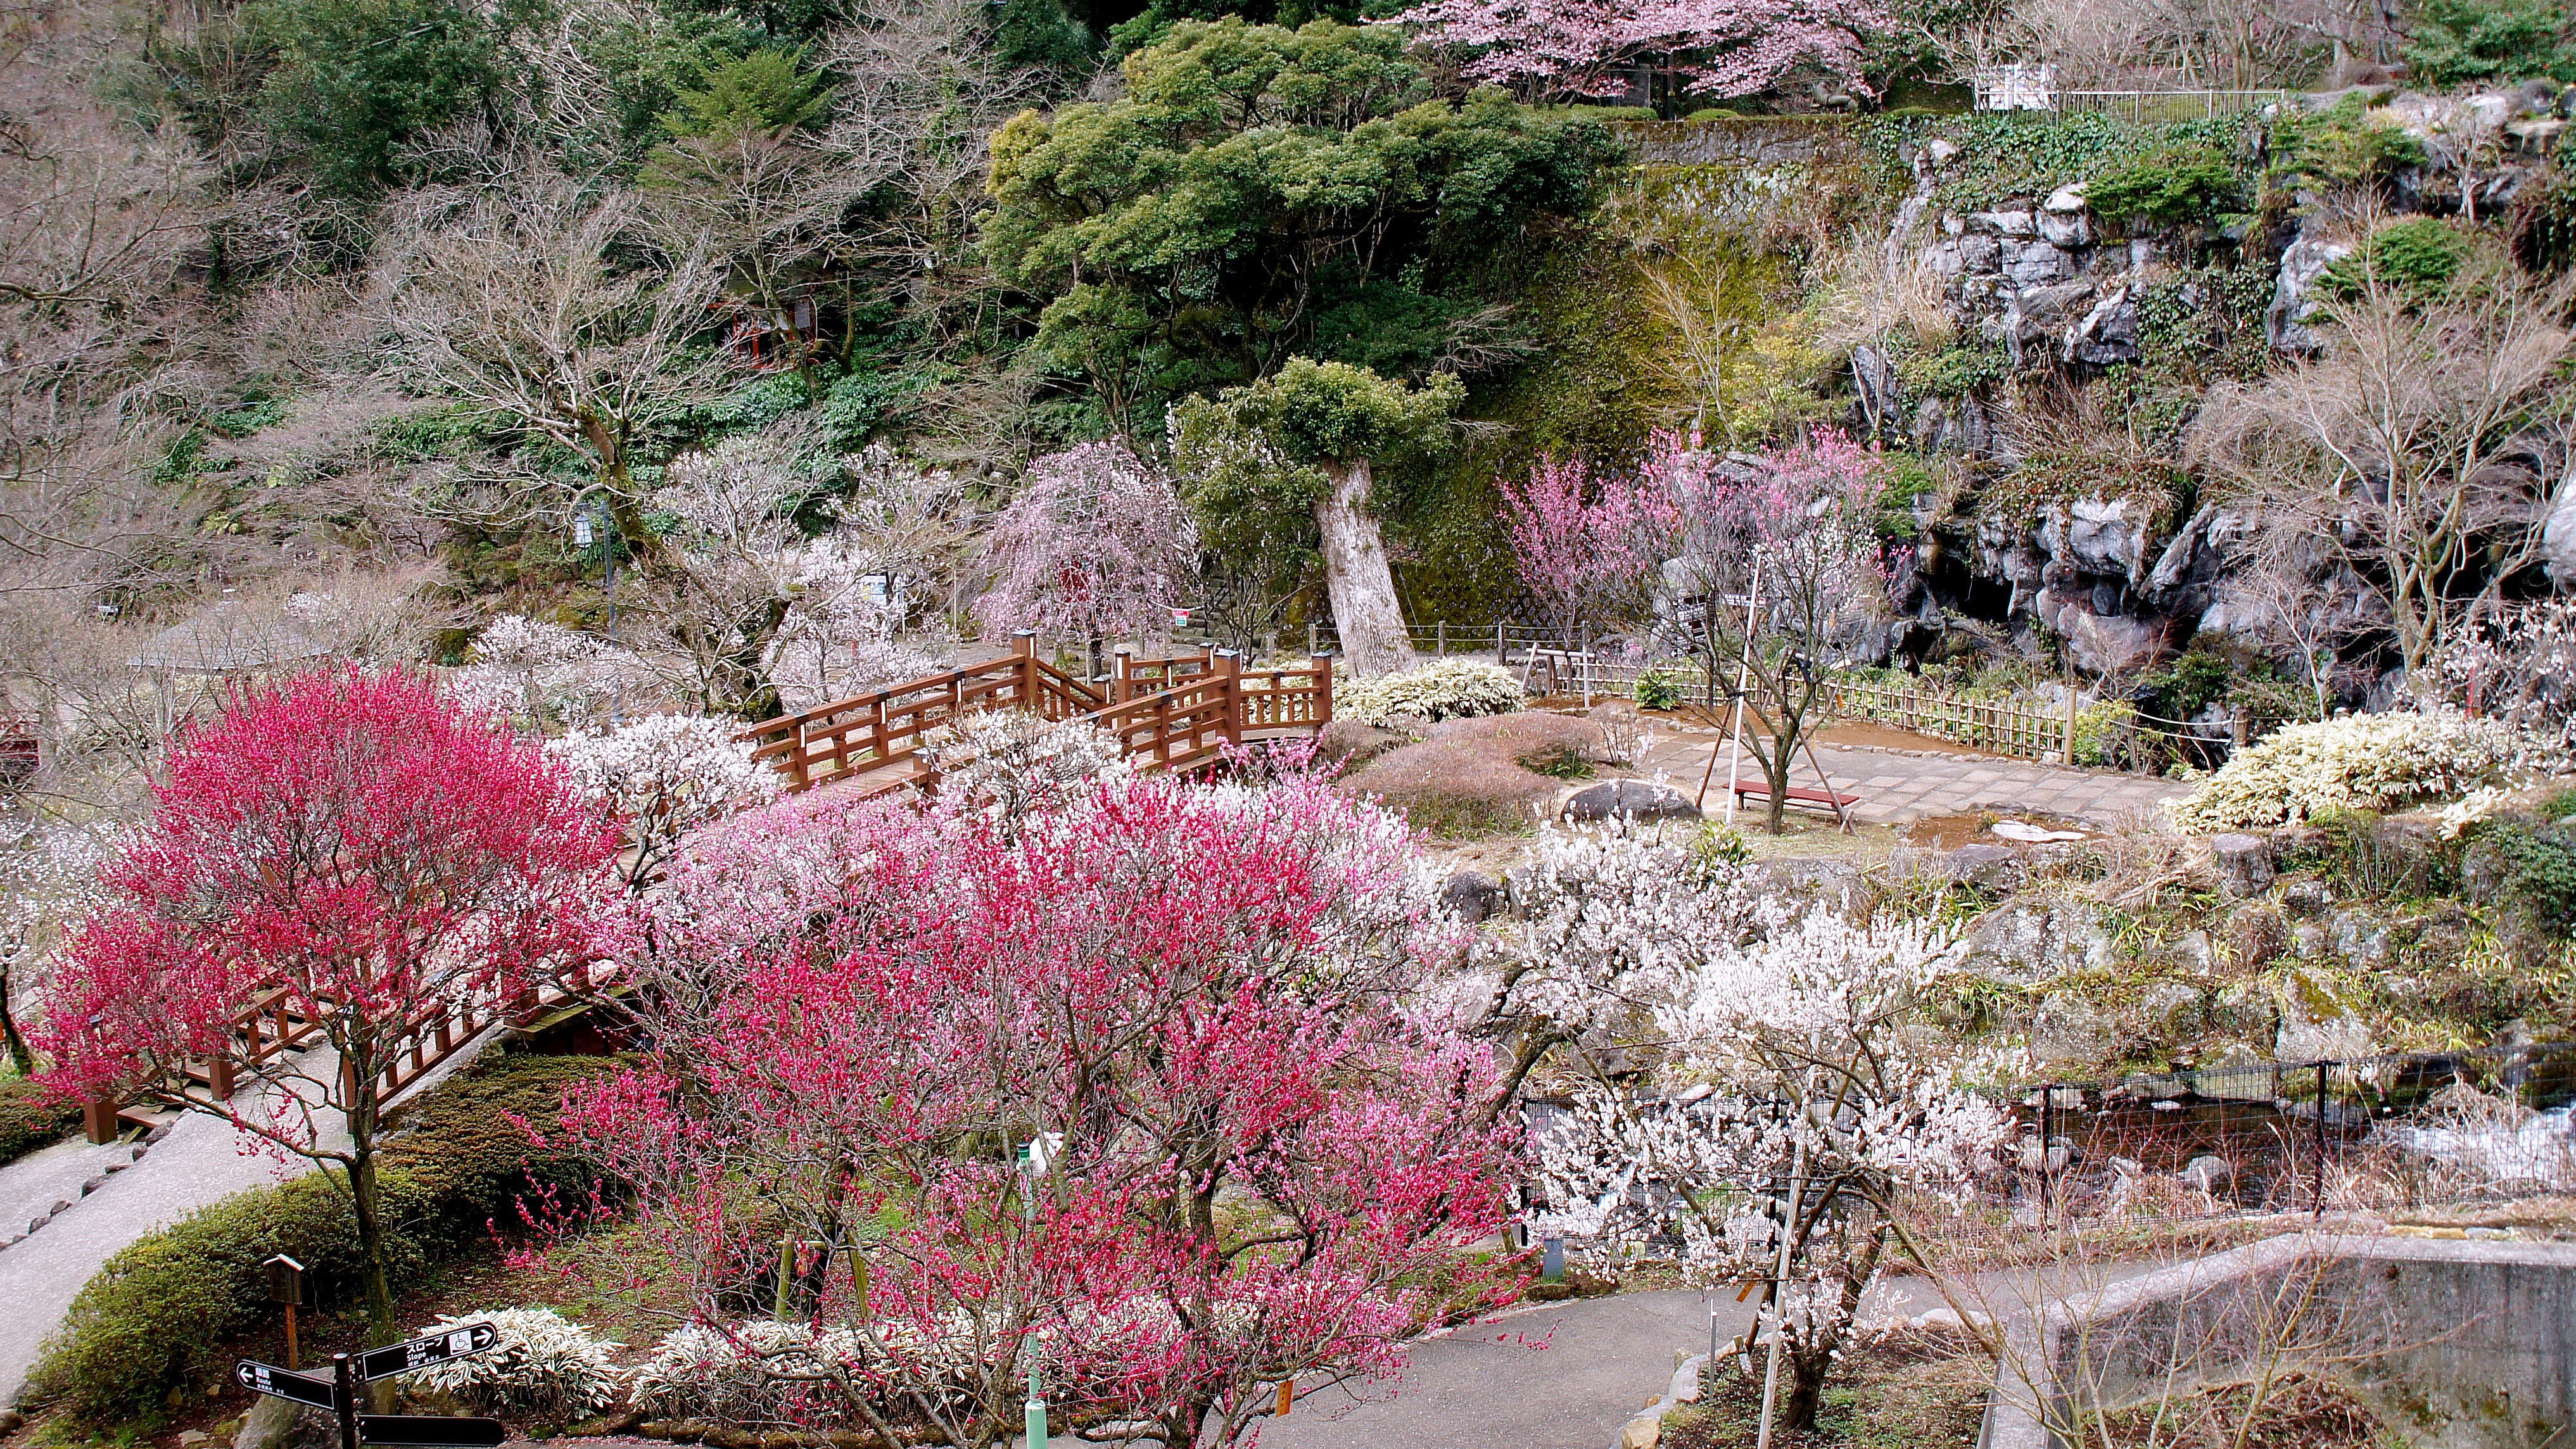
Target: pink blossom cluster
[(1096, 545), (1549, 49)]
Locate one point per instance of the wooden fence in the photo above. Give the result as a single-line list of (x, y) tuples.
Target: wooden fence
[(1166, 714), (18, 747)]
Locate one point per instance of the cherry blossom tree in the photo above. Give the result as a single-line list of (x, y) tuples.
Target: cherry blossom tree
[(1568, 49), (1096, 545), (1584, 539), (356, 847), (1246, 1164)]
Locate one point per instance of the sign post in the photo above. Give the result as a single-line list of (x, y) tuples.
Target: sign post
[(339, 1393), (286, 1288)]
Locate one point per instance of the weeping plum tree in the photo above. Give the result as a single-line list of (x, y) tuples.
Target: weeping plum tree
[(1096, 545), (1310, 439), (357, 844)]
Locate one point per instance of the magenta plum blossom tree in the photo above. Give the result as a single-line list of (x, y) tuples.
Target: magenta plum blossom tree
[(1096, 545), (1125, 1087), (1584, 539), (1563, 49)]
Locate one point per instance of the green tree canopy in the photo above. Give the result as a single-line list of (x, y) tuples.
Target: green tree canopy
[(767, 90), (1253, 181), (356, 78)]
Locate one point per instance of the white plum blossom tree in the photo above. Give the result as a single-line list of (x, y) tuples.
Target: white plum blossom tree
[(663, 775), (1730, 1042)]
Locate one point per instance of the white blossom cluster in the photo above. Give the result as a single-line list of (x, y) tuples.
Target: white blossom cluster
[(48, 879), (1447, 689), (759, 1371), (2364, 762), (545, 1369), (540, 674), (2518, 665), (664, 775), (1010, 762), (1736, 1038)]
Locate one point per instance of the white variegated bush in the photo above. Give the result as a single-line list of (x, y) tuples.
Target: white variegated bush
[(1448, 689), (546, 1369), (2364, 762), (1009, 762)]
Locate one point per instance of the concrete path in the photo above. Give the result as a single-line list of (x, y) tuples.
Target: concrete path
[(202, 1160), (1555, 1376), (1900, 788)]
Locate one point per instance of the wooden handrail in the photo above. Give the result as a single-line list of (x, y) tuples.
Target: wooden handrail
[(1204, 703)]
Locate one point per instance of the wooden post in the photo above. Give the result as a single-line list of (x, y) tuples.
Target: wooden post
[(1322, 664), (1502, 656), (1442, 634), (2070, 723), (1119, 665), (1162, 727), (219, 1077), (797, 776), (98, 1120), (1230, 690)]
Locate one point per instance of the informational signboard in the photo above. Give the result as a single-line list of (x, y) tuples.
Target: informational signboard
[(269, 1379), (430, 1431), (402, 1358)]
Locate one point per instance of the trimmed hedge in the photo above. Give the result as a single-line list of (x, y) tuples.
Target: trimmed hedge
[(31, 1118), (152, 1320)]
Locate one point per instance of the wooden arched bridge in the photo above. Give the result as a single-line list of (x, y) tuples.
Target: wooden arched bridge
[(1166, 714)]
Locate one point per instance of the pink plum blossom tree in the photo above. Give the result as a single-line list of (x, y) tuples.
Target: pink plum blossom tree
[(1584, 539), (1097, 545), (1119, 1090)]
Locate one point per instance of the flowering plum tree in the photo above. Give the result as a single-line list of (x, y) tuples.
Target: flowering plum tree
[(661, 777), (1248, 1166), (360, 851), (1585, 539), (1561, 49), (1096, 545), (1784, 1059), (1776, 566)]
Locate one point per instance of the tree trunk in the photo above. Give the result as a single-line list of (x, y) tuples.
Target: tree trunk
[(367, 1205), (1357, 577), (20, 1056)]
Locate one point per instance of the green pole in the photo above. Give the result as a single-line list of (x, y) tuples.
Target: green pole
[(1037, 1409)]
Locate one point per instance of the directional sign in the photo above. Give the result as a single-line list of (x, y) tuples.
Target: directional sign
[(402, 1358), (431, 1431), (268, 1378)]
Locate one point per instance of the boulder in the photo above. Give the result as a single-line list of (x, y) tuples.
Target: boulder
[(2036, 263), (1471, 895), (1941, 151), (2108, 335), (2246, 862), (2558, 538), (2011, 223), (1629, 800), (2206, 1174), (2285, 322)]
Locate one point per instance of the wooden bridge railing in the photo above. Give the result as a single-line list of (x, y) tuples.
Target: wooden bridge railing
[(1166, 714)]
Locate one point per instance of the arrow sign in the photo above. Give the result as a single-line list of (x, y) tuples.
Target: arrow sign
[(402, 1358), (268, 1378), (426, 1430)]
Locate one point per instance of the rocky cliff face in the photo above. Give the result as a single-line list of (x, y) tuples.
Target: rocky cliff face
[(2125, 577)]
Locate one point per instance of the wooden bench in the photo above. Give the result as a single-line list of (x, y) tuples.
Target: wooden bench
[(1797, 795)]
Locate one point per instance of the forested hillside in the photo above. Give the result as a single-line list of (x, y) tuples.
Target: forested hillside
[(364, 323)]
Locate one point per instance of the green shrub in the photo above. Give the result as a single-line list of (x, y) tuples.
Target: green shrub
[(2101, 729), (153, 1318), (2534, 868), (2469, 42), (2169, 187), (30, 1119), (2417, 255), (2341, 145), (1657, 689)]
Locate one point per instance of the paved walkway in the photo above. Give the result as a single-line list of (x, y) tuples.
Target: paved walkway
[(1900, 788), (202, 1160), (1557, 1376)]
